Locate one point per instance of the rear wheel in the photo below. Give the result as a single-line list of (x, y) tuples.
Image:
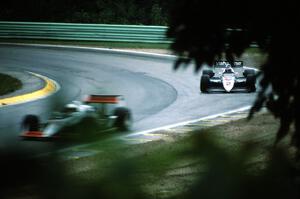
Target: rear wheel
[(31, 123), (249, 72), (250, 82), (204, 83), (124, 119), (210, 73)]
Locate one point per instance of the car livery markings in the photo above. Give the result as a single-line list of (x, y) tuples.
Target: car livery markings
[(50, 88)]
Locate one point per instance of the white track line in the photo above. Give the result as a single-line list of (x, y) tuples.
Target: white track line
[(187, 122), (91, 48)]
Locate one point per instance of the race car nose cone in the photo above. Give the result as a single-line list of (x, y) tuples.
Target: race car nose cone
[(32, 134), (228, 83)]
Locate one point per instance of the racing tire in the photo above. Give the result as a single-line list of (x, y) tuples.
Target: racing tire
[(249, 72), (31, 123), (210, 73), (204, 83), (124, 119), (250, 83)]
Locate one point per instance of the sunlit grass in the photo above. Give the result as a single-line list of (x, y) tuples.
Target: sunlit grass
[(168, 168)]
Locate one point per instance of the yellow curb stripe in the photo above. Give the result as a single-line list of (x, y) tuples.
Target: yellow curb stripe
[(50, 87)]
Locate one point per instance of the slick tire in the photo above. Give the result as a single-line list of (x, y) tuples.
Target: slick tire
[(210, 73), (250, 83), (249, 72), (124, 119), (31, 123), (204, 83)]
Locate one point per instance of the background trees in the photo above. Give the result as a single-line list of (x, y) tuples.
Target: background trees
[(146, 12)]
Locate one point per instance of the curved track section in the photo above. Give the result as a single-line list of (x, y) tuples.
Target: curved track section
[(50, 88), (157, 95)]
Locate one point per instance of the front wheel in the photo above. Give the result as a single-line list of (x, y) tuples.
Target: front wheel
[(204, 83), (124, 119), (250, 83), (249, 72), (31, 123)]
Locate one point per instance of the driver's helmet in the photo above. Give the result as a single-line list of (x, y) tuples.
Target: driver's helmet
[(228, 70), (70, 108)]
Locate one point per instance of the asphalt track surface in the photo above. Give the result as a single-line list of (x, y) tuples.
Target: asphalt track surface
[(156, 94)]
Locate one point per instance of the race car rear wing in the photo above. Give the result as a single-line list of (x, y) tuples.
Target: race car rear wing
[(110, 99), (225, 63)]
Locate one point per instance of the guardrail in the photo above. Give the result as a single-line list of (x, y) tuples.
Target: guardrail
[(84, 32)]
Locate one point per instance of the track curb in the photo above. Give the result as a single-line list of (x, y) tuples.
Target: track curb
[(50, 88)]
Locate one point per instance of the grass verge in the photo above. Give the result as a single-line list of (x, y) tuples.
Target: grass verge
[(233, 160), (90, 43), (237, 151), (8, 84)]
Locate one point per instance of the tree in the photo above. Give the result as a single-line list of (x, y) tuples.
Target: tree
[(147, 12), (202, 32)]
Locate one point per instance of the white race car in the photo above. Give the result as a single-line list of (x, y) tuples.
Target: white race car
[(223, 76), (109, 110)]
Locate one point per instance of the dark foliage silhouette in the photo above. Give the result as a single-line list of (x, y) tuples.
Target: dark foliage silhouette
[(147, 12), (204, 31)]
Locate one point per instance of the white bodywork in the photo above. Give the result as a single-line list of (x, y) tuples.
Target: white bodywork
[(224, 76), (106, 109), (72, 114), (228, 79)]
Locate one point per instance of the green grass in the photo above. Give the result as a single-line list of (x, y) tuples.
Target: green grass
[(8, 84), (91, 43), (233, 160), (164, 169)]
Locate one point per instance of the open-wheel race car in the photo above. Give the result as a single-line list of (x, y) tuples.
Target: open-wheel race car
[(109, 111), (224, 76)]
